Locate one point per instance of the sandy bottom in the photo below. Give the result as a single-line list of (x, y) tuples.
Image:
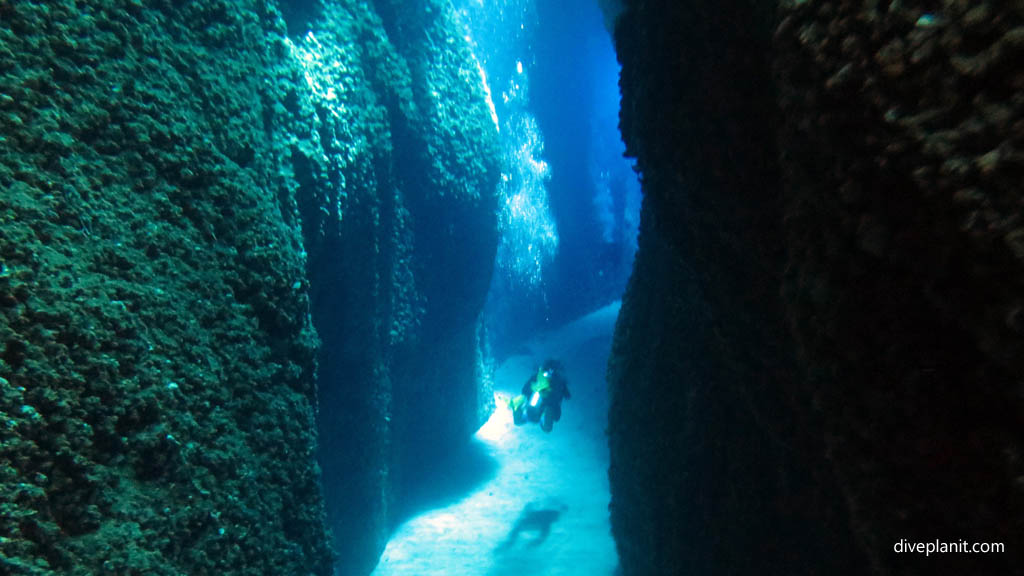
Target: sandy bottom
[(542, 507)]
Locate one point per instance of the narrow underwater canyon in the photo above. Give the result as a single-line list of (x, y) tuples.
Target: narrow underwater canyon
[(245, 247)]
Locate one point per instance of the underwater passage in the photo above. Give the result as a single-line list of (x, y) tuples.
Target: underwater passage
[(330, 287), (537, 502)]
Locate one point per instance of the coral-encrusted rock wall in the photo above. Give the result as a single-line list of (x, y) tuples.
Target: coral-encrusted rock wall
[(717, 464), (398, 196), (904, 155), (187, 188), (819, 353), (157, 381)]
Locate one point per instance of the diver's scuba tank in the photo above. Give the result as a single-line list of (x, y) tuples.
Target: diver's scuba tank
[(541, 389), (535, 400), (534, 407)]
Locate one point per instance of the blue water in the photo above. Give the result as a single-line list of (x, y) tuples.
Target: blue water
[(570, 200)]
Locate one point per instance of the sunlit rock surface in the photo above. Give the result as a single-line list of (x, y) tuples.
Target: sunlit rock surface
[(820, 349), (397, 166), (185, 190)]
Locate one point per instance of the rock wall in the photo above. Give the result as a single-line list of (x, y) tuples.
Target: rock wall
[(157, 379), (397, 177), (902, 151), (819, 350), (187, 189)]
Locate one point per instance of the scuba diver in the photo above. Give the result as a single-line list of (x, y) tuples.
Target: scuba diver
[(541, 400)]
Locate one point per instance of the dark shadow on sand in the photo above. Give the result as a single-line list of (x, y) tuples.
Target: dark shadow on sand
[(440, 482), (532, 527), (522, 551)]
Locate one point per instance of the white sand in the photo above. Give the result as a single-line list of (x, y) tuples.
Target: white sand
[(563, 473)]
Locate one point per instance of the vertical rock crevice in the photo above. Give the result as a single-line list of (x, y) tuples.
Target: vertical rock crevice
[(400, 224)]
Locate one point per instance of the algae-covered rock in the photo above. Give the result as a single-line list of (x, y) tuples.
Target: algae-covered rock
[(175, 178), (714, 469), (158, 358), (396, 165), (903, 295), (819, 353)]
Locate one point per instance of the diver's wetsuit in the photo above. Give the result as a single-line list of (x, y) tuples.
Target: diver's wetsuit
[(551, 406)]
